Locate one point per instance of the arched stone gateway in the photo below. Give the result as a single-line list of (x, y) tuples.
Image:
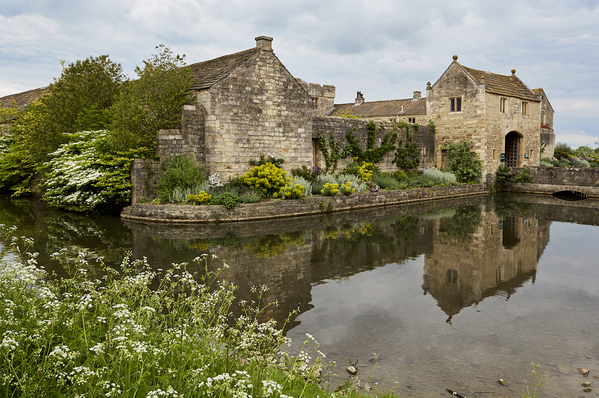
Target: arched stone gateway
[(512, 148)]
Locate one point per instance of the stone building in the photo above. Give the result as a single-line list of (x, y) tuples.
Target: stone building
[(411, 110), (499, 114)]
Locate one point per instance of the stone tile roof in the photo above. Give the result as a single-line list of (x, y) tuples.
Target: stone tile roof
[(383, 108), (210, 72), (24, 98), (510, 86)]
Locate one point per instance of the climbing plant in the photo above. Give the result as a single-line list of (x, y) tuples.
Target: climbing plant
[(371, 154), (331, 158), (406, 155)]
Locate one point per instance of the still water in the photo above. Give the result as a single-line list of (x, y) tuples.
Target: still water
[(449, 294)]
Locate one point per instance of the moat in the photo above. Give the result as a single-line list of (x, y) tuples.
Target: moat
[(449, 294)]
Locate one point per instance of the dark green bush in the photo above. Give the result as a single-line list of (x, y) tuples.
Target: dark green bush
[(562, 151), (179, 172), (227, 199), (277, 162), (308, 173), (385, 181)]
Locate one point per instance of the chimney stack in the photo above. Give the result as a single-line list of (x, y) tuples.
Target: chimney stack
[(417, 95), (264, 42), (359, 98)]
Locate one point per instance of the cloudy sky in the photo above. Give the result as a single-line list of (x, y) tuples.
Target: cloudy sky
[(386, 49)]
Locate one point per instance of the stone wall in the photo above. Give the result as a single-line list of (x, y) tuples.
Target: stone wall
[(144, 175), (189, 140), (337, 127), (547, 139), (289, 208), (259, 108), (548, 180)]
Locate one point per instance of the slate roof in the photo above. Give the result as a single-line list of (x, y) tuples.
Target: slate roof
[(24, 98), (510, 86), (210, 72), (383, 108)]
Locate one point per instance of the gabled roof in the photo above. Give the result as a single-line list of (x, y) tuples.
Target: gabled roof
[(540, 93), (208, 73), (24, 98), (383, 108), (510, 86)]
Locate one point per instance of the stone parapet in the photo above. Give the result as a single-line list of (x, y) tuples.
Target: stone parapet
[(548, 180), (291, 208)]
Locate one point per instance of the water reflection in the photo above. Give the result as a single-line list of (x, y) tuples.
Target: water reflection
[(451, 294)]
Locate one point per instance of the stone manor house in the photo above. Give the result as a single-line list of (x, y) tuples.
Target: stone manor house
[(249, 104)]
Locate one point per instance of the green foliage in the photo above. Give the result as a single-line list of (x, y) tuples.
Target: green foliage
[(17, 167), (524, 175), (200, 199), (431, 126), (385, 181), (347, 114), (135, 333), (179, 172), (347, 189), (227, 199), (250, 197), (268, 178), (291, 191), (307, 173), (463, 223), (562, 151), (363, 171), (304, 183), (371, 154), (356, 182), (462, 161), (277, 162), (331, 159), (82, 177), (320, 182), (406, 155), (504, 174), (584, 152), (8, 114), (153, 102), (443, 177), (546, 162), (330, 189)]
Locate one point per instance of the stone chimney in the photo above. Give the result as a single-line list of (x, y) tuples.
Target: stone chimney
[(417, 95), (264, 42), (359, 98)]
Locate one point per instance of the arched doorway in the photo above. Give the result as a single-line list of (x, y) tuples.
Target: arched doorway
[(512, 149)]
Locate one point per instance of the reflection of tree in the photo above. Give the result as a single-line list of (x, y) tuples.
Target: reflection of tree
[(267, 246), (463, 223)]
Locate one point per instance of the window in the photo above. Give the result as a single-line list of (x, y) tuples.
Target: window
[(315, 103), (493, 154), (455, 104), (502, 103), (411, 120), (524, 110)]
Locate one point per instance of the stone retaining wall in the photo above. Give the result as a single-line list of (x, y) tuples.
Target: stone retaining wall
[(548, 180), (291, 208)]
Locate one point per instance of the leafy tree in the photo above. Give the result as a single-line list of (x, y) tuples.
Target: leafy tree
[(562, 151), (406, 155), (8, 114), (153, 102), (462, 161)]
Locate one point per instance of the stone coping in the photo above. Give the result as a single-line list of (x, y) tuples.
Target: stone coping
[(278, 208)]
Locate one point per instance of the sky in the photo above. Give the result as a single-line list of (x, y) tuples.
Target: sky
[(385, 49)]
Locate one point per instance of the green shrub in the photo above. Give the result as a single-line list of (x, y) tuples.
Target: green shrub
[(330, 189), (179, 172), (266, 177), (200, 199), (250, 197), (443, 177), (562, 151), (524, 175), (356, 182), (307, 173), (347, 189), (277, 162), (320, 182), (385, 181), (462, 161), (303, 182), (504, 174), (227, 199), (580, 163), (546, 162), (291, 191), (401, 176)]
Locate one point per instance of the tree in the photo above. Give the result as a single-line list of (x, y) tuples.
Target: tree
[(155, 101), (462, 161), (562, 151)]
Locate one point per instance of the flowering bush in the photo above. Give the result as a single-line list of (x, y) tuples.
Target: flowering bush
[(266, 177), (136, 333), (199, 199), (347, 189), (291, 192), (330, 189), (82, 177)]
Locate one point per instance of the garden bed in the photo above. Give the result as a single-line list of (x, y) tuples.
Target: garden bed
[(291, 208)]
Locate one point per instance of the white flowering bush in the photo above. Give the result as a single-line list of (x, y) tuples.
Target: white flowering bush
[(83, 175), (135, 333)]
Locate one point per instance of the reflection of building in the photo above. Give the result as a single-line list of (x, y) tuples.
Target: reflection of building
[(498, 257)]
